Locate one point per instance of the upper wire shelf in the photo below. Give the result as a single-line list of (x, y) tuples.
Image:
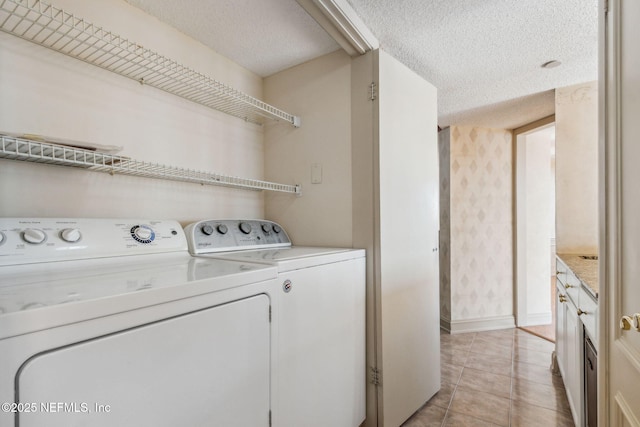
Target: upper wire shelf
[(39, 152), (63, 32)]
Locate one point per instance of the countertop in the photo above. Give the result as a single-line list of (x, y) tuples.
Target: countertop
[(586, 270)]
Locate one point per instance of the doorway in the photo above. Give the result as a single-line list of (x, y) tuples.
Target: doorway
[(535, 227)]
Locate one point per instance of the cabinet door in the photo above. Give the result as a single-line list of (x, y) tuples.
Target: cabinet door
[(573, 377)]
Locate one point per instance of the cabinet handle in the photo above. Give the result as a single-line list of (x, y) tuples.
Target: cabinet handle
[(567, 286), (580, 312), (628, 322), (562, 298)]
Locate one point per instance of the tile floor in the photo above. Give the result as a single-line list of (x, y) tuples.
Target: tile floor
[(496, 378)]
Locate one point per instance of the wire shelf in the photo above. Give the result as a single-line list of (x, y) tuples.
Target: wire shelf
[(39, 152), (63, 32)]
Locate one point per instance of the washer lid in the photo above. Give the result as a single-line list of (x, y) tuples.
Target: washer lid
[(295, 257)]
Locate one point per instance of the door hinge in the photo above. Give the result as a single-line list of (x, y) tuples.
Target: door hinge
[(375, 376), (373, 94)]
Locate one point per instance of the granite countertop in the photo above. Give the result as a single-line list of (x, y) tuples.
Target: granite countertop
[(586, 270)]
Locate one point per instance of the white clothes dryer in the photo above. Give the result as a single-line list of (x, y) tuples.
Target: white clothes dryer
[(321, 374), (113, 323)]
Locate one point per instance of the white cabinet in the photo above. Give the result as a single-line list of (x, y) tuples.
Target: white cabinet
[(561, 337), (572, 375), (576, 312)]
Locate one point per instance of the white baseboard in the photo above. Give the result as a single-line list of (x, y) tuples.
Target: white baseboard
[(445, 324), (478, 325), (536, 319)]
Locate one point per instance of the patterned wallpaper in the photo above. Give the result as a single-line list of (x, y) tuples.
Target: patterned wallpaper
[(481, 224), (444, 152)]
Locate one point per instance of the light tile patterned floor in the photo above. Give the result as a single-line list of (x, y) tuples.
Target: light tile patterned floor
[(496, 378)]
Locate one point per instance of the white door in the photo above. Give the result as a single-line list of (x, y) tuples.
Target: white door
[(396, 218), (408, 288), (619, 349), (208, 368)]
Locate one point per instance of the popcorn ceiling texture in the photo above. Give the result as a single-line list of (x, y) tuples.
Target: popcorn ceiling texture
[(484, 56), (264, 36), (484, 53)]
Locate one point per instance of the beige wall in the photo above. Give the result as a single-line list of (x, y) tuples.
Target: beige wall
[(577, 169), (481, 221), (46, 93), (320, 92)]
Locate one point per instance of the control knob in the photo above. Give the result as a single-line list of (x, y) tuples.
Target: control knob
[(276, 228), (222, 229), (34, 236), (2, 239), (207, 229), (245, 227), (267, 228), (71, 235), (142, 233)]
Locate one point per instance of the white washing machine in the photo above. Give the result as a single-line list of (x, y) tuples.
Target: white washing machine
[(113, 323), (321, 375)]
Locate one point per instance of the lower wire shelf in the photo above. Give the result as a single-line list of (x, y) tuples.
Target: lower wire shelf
[(13, 148)]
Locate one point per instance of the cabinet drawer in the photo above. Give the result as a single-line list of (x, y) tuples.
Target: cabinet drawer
[(589, 307)]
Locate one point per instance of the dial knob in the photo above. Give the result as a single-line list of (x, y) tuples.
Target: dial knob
[(276, 228), (207, 229), (245, 227), (142, 233), (70, 235), (222, 229), (2, 237), (34, 236), (267, 228)]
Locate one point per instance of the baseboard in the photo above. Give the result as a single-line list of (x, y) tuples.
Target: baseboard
[(445, 324), (479, 325), (537, 319)]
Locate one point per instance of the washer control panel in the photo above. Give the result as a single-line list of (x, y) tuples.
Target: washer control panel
[(33, 240), (211, 236)]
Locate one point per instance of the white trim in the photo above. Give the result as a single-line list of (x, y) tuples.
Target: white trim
[(343, 24), (445, 324), (625, 412), (535, 319), (482, 324)]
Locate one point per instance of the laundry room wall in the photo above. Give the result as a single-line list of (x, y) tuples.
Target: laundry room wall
[(317, 155), (47, 93)]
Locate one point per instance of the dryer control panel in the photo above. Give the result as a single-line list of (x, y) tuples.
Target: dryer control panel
[(34, 240), (211, 236)]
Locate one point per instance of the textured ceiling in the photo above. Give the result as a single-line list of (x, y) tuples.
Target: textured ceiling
[(484, 56), (264, 36), (480, 53)]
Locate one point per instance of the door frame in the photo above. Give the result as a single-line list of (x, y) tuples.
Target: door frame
[(519, 286)]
